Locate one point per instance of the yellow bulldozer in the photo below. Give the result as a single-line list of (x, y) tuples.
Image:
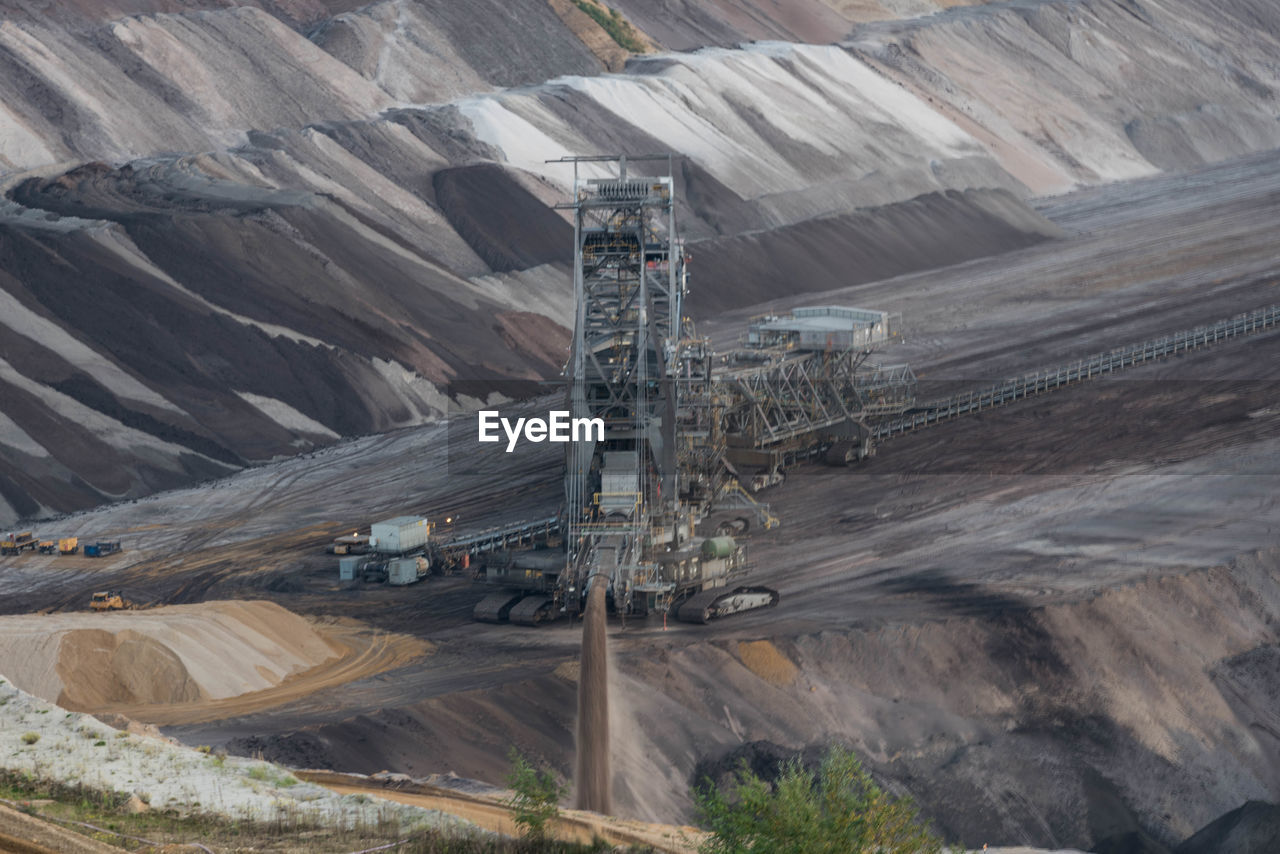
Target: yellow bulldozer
[(111, 600)]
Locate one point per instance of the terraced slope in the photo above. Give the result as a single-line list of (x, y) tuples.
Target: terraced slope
[(234, 234)]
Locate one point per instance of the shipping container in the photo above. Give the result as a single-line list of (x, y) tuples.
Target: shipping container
[(347, 567), (407, 570), (399, 535)]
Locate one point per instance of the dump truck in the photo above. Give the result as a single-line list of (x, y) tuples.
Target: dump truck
[(110, 600), (15, 543), (102, 548)]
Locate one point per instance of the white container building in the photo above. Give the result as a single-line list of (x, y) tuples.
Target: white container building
[(399, 535)]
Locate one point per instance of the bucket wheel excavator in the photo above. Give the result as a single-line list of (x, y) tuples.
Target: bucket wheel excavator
[(657, 507)]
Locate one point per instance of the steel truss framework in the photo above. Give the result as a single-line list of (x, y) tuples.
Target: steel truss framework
[(669, 411), (788, 395), (628, 289)]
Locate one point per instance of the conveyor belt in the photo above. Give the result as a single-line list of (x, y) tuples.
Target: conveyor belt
[(1040, 382)]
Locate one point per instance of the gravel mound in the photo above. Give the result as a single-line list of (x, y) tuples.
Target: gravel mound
[(175, 654)]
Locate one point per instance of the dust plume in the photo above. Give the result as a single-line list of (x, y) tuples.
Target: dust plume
[(593, 707)]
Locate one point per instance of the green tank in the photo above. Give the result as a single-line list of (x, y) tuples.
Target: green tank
[(718, 547)]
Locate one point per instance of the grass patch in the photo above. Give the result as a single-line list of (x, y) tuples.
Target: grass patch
[(287, 833), (274, 776), (612, 22)]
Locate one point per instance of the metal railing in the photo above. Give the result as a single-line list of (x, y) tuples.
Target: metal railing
[(1030, 385)]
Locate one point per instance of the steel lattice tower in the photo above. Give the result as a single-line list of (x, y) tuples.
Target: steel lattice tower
[(628, 289)]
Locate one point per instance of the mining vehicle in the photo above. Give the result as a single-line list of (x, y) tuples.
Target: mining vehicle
[(634, 497), (654, 505), (649, 507), (656, 509), (349, 544), (16, 543), (61, 546), (111, 600), (102, 548)]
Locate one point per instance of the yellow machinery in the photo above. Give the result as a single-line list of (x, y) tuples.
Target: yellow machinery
[(14, 544), (68, 545), (112, 600)]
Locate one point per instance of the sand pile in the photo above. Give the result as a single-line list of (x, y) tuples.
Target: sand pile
[(765, 660), (175, 654)]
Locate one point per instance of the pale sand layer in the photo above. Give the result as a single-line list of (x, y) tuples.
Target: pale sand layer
[(175, 654)]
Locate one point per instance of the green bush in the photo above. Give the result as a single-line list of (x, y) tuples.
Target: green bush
[(536, 797), (30, 737), (612, 22), (840, 810)]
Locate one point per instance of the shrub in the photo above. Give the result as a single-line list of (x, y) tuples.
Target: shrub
[(839, 810), (612, 22), (30, 737), (536, 796)]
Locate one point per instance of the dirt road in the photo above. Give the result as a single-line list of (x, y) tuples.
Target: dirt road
[(488, 812), (22, 834)]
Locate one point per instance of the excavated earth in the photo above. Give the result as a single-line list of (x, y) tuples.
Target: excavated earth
[(1054, 624), (269, 241), (229, 235)]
